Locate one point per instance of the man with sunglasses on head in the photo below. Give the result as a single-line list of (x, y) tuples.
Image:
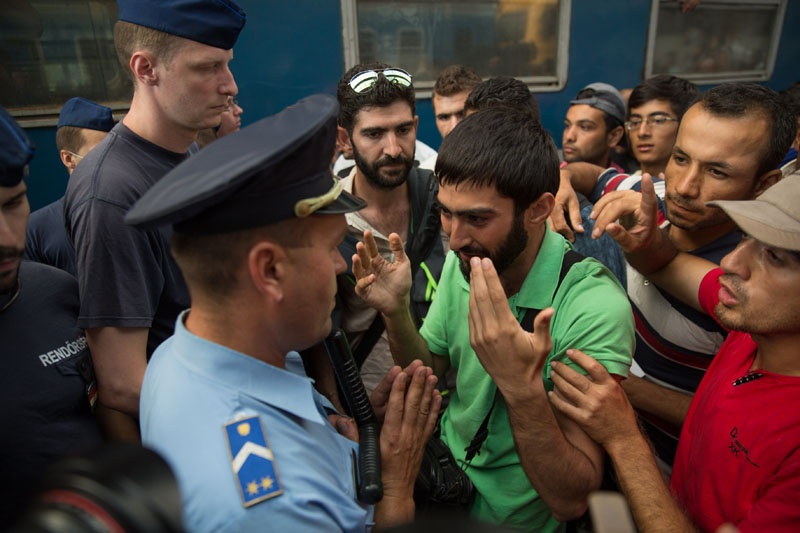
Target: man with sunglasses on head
[(377, 121), (177, 54), (728, 147)]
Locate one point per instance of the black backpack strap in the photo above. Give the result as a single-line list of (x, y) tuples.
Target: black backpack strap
[(570, 258), (423, 235)]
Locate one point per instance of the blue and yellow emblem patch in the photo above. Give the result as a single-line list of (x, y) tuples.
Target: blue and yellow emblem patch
[(252, 461)]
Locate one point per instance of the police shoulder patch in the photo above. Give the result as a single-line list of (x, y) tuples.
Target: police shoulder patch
[(252, 461)]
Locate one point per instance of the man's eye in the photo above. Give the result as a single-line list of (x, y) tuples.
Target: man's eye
[(635, 124), (658, 121)]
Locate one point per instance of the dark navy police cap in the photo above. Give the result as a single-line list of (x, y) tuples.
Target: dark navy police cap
[(16, 151), (82, 113), (216, 23), (275, 169)]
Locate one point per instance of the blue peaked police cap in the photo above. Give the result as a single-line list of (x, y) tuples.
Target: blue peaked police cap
[(216, 23), (82, 113), (16, 151), (274, 169)]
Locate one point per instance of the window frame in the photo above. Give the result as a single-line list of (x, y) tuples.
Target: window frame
[(46, 115), (726, 76), (424, 88)]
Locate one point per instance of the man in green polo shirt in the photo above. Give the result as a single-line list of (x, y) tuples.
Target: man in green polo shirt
[(536, 468)]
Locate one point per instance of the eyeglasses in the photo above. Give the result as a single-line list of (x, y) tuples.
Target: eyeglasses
[(658, 121), (232, 101), (75, 155), (365, 80)]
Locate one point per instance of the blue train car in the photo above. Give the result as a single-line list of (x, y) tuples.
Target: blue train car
[(53, 50)]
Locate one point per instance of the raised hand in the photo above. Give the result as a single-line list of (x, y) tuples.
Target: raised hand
[(566, 202), (512, 356), (383, 284), (630, 218)]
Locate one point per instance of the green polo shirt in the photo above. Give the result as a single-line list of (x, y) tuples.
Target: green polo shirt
[(592, 314)]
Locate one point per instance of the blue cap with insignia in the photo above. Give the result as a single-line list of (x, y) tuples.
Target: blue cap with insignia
[(16, 151), (82, 113), (272, 170), (216, 23)]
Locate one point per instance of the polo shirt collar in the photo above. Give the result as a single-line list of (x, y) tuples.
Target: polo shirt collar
[(540, 283)]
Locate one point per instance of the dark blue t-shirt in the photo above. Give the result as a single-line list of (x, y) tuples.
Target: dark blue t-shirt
[(46, 369)]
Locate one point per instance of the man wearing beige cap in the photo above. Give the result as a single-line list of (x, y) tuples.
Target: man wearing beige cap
[(738, 458)]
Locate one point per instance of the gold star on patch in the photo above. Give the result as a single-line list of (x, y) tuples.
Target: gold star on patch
[(266, 483), (252, 487)]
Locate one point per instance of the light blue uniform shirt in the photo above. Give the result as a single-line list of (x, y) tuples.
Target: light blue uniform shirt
[(193, 388)]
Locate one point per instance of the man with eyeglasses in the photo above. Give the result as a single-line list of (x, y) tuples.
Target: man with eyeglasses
[(177, 53), (728, 147), (230, 122), (377, 121), (655, 108), (82, 124)]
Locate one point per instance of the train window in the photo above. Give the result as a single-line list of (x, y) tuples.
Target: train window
[(730, 40), (52, 50), (526, 39)]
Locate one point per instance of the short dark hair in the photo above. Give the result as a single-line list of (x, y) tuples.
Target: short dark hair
[(383, 94), (456, 79), (740, 99), (505, 91), (211, 263), (791, 98), (680, 93), (69, 138), (610, 122), (502, 147)]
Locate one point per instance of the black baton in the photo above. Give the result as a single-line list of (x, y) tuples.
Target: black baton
[(370, 487)]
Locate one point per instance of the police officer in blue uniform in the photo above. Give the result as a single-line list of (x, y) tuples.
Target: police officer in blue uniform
[(257, 219), (82, 124), (47, 379)]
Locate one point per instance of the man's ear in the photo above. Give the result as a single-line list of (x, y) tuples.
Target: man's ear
[(68, 160), (539, 210), (765, 181), (614, 136), (344, 141), (143, 67), (267, 266)]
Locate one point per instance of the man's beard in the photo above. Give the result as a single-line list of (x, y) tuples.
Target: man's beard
[(8, 282), (372, 172), (512, 246)]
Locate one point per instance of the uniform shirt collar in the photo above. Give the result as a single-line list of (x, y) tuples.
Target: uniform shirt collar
[(289, 389)]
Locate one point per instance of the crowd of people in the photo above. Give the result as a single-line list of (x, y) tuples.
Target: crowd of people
[(617, 314)]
